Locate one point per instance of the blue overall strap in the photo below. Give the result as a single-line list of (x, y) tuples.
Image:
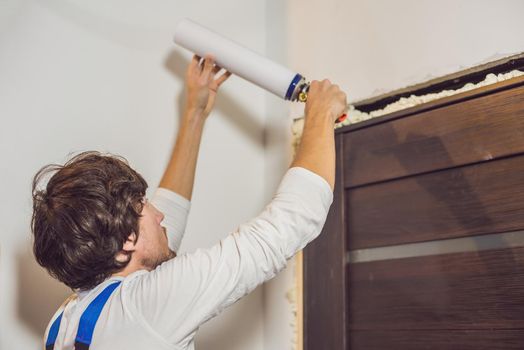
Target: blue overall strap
[(88, 319), (53, 333)]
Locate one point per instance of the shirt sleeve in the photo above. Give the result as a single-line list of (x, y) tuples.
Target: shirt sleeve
[(184, 292), (175, 209)]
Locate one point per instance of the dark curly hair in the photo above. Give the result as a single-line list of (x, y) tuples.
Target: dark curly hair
[(83, 216)]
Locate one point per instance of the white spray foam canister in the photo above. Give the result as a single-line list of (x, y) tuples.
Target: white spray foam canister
[(241, 61)]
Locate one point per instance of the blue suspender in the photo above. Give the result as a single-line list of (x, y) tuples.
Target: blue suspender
[(88, 319), (87, 322), (53, 333)]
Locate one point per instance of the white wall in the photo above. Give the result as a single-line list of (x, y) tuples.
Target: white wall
[(81, 75), (78, 75)]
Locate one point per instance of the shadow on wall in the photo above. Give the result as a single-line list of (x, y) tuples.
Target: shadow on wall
[(234, 112), (39, 295)]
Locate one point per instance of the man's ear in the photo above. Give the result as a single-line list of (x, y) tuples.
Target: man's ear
[(130, 243), (128, 247)]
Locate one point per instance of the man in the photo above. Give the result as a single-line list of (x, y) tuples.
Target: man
[(94, 231)]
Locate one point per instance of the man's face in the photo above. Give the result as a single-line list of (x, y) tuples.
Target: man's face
[(151, 247)]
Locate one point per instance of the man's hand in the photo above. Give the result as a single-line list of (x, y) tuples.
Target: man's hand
[(325, 100), (202, 84)]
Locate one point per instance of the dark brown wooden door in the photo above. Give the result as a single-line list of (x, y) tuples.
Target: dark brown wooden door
[(424, 244)]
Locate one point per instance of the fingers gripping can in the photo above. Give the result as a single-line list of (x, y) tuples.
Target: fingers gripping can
[(241, 61)]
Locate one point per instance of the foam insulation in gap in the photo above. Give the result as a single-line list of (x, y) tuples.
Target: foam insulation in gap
[(355, 116)]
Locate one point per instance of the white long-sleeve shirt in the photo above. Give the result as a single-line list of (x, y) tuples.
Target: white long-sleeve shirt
[(163, 308)]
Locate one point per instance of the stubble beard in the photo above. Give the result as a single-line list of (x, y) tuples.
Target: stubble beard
[(152, 263)]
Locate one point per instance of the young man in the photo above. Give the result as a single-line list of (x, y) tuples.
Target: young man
[(94, 231)]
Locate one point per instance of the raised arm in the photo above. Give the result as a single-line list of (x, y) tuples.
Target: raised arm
[(173, 196), (326, 102), (181, 294), (202, 85)]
